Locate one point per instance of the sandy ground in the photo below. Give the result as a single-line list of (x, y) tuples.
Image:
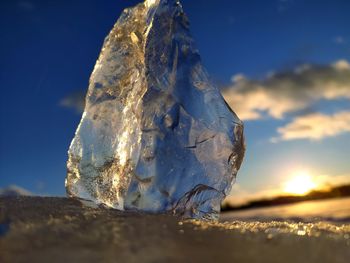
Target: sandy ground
[(38, 229)]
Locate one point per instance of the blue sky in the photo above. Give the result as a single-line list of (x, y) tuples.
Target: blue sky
[(48, 50)]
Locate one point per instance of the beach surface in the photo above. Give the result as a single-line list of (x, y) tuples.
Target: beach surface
[(47, 229)]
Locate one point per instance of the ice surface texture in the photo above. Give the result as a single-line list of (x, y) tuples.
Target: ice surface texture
[(156, 135)]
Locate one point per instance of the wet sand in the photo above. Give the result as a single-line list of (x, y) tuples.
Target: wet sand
[(39, 229)]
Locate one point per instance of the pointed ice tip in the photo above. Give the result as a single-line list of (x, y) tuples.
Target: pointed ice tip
[(150, 3)]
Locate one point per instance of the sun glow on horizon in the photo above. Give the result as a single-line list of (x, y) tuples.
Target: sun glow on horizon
[(300, 184)]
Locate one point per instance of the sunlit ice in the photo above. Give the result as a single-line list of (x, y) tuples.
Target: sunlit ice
[(300, 183)]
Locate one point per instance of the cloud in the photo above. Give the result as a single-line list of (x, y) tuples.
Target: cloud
[(14, 190), (315, 126), (74, 100), (288, 92)]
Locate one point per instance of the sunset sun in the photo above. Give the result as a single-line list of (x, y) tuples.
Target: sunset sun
[(300, 184)]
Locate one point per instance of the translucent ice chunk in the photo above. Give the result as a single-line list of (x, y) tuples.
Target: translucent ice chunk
[(156, 134)]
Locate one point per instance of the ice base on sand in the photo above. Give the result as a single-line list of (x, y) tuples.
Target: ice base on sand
[(156, 134)]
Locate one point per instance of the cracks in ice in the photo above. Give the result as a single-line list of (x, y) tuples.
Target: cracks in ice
[(200, 142)]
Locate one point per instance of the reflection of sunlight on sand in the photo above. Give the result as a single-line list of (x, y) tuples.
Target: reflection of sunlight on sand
[(327, 210), (273, 229), (339, 208)]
